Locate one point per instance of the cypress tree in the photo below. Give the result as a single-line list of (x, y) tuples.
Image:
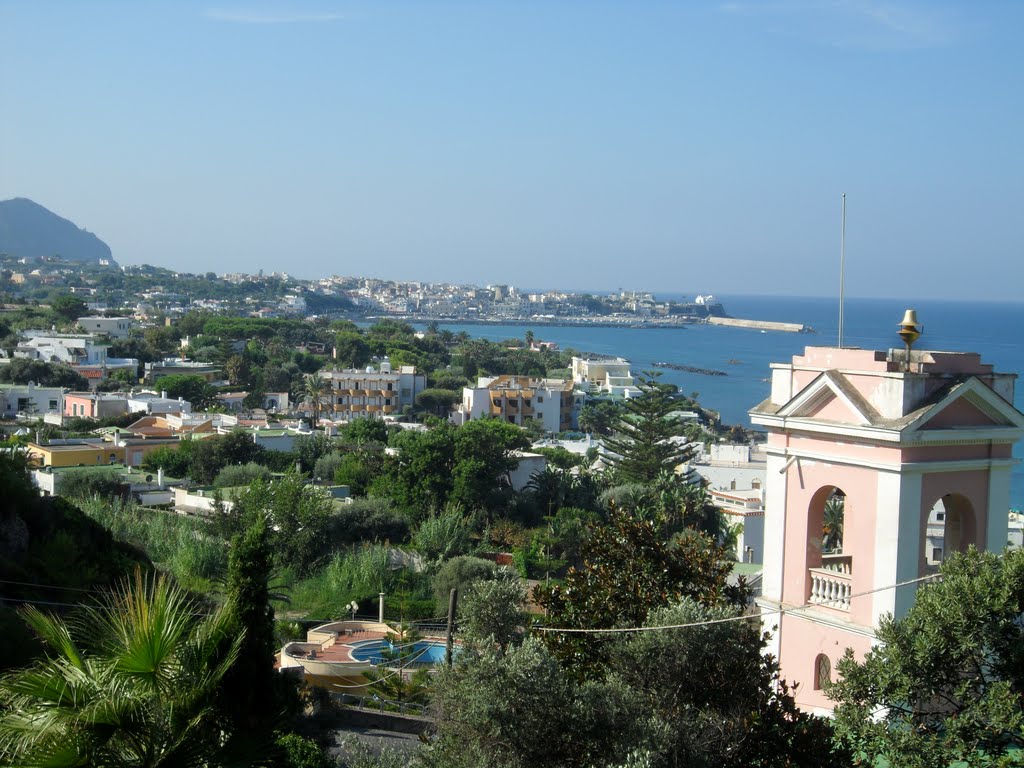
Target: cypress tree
[(251, 688)]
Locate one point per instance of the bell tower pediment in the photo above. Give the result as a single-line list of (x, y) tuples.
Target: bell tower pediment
[(965, 405), (830, 397)]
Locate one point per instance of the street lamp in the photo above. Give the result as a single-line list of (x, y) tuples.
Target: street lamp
[(353, 606)]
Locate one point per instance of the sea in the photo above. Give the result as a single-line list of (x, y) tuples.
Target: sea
[(992, 329)]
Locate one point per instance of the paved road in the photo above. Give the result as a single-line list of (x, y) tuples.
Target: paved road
[(354, 738)]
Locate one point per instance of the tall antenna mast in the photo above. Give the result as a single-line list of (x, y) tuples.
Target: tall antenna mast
[(842, 274)]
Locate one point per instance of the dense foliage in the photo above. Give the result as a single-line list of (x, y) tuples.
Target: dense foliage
[(646, 439), (947, 678)]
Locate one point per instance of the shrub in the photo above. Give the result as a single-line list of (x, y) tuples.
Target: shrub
[(86, 483), (372, 520), (326, 466), (295, 751), (443, 535), (240, 474), (459, 573)]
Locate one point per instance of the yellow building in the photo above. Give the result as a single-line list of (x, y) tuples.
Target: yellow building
[(75, 453)]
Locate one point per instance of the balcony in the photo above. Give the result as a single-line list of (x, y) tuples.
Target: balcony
[(832, 584)]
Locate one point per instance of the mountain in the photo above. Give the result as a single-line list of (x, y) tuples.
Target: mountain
[(29, 229)]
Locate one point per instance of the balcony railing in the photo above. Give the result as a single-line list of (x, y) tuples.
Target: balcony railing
[(832, 584)]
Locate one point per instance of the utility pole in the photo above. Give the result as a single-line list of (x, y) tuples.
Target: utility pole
[(453, 599), (842, 273)]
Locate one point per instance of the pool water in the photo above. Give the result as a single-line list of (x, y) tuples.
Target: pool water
[(425, 652)]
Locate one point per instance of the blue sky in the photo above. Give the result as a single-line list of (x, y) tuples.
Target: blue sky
[(683, 147)]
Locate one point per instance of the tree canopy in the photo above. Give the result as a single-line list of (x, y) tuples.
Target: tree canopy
[(947, 678), (646, 440), (22, 371), (628, 569)]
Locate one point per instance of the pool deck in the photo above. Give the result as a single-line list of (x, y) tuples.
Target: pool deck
[(344, 644)]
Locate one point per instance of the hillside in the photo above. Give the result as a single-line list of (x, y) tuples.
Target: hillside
[(27, 229)]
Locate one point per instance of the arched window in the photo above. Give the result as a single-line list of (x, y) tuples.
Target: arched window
[(825, 525), (950, 527), (822, 672), (829, 568)]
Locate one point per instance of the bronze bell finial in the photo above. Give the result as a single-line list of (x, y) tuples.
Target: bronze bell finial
[(910, 331)]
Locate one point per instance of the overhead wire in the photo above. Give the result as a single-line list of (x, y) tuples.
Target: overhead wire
[(728, 620)]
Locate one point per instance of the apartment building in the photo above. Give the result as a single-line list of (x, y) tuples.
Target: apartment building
[(371, 391), (519, 399)]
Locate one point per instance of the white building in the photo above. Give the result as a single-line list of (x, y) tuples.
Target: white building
[(67, 348), (611, 375), (151, 403), (529, 463), (114, 327), (81, 351), (30, 400), (744, 507)]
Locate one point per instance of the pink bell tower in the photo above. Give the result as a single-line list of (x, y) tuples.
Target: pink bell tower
[(879, 464)]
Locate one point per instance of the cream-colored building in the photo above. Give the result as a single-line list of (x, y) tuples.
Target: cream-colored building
[(371, 391)]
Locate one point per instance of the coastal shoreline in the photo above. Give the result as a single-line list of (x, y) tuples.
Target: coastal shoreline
[(601, 322)]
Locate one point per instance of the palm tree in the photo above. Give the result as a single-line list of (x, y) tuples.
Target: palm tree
[(548, 486), (130, 681), (315, 389), (832, 528), (395, 678)]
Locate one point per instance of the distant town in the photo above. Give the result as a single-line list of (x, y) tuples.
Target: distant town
[(151, 290)]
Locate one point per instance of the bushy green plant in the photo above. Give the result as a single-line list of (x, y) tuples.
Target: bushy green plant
[(295, 751), (358, 469), (368, 520), (326, 466), (240, 474), (492, 609), (459, 573), (86, 483), (443, 535)]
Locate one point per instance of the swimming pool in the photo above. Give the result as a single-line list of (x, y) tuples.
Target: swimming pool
[(425, 652)]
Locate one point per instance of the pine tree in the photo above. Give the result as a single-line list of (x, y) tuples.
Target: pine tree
[(646, 439)]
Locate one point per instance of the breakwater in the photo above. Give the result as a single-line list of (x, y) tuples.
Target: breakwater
[(760, 325), (689, 369)]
